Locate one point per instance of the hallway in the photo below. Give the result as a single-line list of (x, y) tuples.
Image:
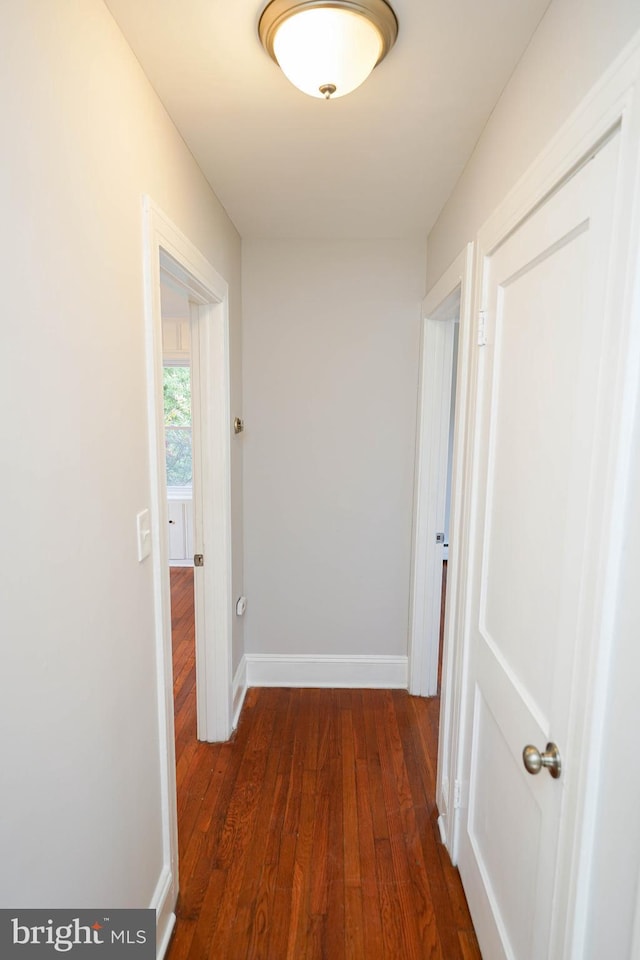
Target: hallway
[(313, 832)]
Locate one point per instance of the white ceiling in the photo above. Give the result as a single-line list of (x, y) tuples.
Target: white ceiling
[(379, 162)]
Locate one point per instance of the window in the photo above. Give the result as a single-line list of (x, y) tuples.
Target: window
[(177, 426)]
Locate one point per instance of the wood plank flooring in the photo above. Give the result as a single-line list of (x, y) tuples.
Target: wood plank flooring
[(312, 833)]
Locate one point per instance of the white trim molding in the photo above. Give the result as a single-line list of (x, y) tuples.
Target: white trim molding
[(424, 630), (164, 938), (239, 690), (430, 503), (439, 310), (160, 902), (180, 493), (282, 670), (167, 250)]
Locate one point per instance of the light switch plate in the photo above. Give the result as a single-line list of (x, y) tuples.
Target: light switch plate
[(143, 528)]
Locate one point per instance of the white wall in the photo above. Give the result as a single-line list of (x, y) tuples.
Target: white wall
[(330, 352), (84, 138), (575, 43)]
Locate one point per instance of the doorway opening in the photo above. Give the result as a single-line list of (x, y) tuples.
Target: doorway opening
[(454, 330), (172, 260), (434, 482), (178, 439), (440, 528), (195, 451)]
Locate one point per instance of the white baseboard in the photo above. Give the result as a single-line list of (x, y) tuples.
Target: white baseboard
[(163, 902), (181, 563), (163, 937), (239, 691), (281, 670), (442, 827)]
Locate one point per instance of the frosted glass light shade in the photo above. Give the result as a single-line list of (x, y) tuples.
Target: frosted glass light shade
[(324, 48), (327, 48)]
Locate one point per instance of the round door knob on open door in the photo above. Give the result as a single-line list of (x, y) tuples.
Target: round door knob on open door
[(534, 761)]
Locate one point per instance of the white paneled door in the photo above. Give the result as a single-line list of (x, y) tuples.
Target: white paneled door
[(542, 409)]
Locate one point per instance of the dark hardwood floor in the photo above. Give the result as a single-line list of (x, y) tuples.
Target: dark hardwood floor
[(312, 833)]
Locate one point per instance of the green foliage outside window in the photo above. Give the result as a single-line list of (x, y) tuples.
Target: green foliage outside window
[(177, 422)]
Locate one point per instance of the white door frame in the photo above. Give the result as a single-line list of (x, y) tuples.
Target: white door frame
[(434, 417), (613, 103), (434, 410), (167, 250), (431, 470)]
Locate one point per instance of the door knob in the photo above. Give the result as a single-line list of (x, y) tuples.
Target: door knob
[(534, 761)]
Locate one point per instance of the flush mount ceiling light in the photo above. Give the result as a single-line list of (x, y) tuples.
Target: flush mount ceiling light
[(327, 48)]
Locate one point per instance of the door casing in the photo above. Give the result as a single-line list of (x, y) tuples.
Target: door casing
[(433, 423), (168, 251)]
